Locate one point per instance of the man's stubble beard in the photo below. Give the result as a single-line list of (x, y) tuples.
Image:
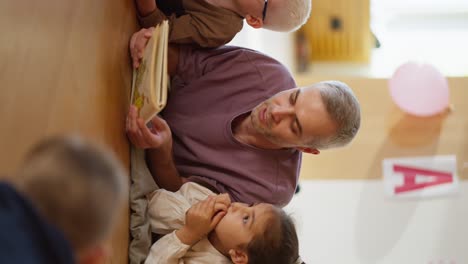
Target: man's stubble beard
[(264, 131)]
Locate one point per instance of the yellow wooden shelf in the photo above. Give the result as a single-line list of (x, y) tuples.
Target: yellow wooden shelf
[(339, 30)]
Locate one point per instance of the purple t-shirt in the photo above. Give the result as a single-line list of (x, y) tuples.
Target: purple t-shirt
[(211, 88)]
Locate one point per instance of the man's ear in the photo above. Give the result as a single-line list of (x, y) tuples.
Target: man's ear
[(95, 255), (254, 22), (238, 256), (309, 150)]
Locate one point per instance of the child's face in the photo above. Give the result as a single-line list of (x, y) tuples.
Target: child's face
[(242, 222)]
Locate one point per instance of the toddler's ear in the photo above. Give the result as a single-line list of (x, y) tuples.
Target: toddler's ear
[(238, 256), (254, 22), (95, 255)]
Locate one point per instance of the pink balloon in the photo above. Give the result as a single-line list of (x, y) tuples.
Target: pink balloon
[(419, 89)]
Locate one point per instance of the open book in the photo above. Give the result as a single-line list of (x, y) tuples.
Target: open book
[(150, 79)]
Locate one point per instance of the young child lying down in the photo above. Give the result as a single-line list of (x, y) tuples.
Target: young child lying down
[(202, 227)]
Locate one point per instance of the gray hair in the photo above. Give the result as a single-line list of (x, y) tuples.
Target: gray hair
[(76, 186), (343, 107), (288, 16)]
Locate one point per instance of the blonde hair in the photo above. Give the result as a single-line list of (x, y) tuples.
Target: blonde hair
[(288, 15), (76, 186)]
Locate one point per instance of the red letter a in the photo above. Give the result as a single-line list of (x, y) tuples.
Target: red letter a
[(409, 176)]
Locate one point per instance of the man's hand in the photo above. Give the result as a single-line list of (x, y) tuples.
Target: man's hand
[(157, 140), (138, 43), (203, 217), (157, 137)]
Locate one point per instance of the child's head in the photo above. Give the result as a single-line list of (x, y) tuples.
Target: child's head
[(261, 233), (77, 187), (277, 15)]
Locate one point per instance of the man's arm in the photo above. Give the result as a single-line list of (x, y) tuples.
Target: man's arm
[(148, 13), (145, 7), (158, 142), (163, 170)]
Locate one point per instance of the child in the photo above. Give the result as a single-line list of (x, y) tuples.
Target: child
[(66, 197), (212, 23), (214, 230)]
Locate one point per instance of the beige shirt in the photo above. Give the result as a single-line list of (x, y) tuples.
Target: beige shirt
[(167, 214)]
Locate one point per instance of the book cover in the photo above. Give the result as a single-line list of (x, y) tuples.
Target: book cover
[(150, 79)]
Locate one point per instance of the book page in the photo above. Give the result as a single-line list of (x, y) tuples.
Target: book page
[(149, 84)]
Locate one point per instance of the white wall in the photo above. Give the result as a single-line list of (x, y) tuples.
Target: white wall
[(352, 222), (275, 44)]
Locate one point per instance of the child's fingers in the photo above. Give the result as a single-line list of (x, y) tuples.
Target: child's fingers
[(220, 207), (223, 198), (208, 205), (211, 202), (193, 210), (215, 220)]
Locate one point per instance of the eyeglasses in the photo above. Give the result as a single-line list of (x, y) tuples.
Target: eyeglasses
[(264, 10)]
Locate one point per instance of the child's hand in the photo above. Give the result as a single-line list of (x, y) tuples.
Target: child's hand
[(138, 43), (223, 201), (201, 218)]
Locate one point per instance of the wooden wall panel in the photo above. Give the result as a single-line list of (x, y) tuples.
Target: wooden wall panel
[(388, 132), (64, 68), (339, 30)]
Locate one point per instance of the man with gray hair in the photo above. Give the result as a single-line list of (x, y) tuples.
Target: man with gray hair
[(235, 122), (62, 204)]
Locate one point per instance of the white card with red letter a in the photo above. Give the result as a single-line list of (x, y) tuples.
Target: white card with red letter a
[(420, 176)]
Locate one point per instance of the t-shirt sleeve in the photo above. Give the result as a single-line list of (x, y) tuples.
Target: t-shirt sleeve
[(167, 250), (194, 62), (204, 30), (152, 19)]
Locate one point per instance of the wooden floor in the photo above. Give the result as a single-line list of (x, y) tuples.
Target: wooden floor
[(65, 68), (387, 132)]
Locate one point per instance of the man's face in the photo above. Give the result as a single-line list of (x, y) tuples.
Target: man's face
[(242, 222), (293, 118)]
